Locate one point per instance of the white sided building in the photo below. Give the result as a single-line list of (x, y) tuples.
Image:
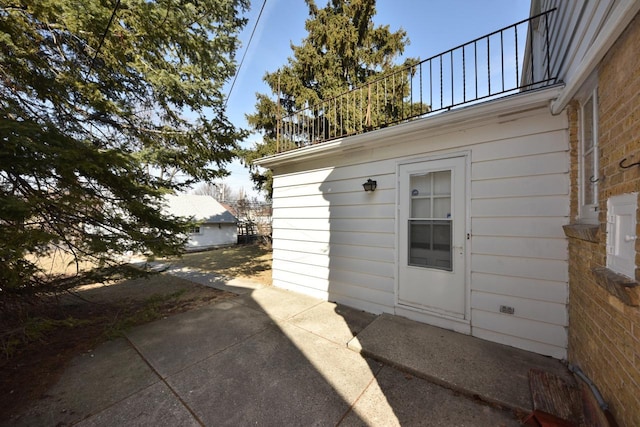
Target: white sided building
[(461, 222), (464, 230), (216, 225)]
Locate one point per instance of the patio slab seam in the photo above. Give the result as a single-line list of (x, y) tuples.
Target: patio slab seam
[(290, 318), (353, 404), (468, 393), (289, 315), (257, 306), (98, 411), (223, 350), (316, 334), (165, 382), (273, 317)]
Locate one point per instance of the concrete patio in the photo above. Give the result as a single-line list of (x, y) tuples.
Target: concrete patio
[(274, 357)]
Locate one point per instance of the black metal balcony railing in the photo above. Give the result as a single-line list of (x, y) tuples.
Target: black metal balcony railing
[(486, 67)]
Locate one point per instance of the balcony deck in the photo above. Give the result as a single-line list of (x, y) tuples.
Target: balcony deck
[(510, 60)]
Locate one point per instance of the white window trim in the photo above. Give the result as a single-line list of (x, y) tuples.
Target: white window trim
[(588, 213)]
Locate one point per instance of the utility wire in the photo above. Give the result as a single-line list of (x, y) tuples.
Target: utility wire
[(244, 54), (95, 55), (104, 35)]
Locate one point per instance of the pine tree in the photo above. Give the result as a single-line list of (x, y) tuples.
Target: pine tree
[(343, 50), (105, 106)]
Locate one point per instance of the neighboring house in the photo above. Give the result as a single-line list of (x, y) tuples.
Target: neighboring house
[(231, 209), (513, 219), (216, 225)]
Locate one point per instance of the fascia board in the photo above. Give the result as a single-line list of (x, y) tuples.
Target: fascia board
[(454, 119)]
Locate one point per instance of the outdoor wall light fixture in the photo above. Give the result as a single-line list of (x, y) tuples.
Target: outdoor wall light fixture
[(370, 185)]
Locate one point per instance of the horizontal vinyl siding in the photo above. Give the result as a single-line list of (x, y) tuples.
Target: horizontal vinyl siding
[(514, 246), (534, 289), (367, 252), (385, 240), (336, 212), (364, 225), (510, 326), (535, 164), (335, 241), (554, 313), (322, 263), (383, 196), (496, 333), (519, 146), (526, 268), (519, 203), (545, 185), (546, 227), (521, 206)]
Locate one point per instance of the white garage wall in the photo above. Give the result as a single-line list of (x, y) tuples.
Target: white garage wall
[(334, 241), (212, 235)]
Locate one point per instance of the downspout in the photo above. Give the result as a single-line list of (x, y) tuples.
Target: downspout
[(616, 24), (595, 392)]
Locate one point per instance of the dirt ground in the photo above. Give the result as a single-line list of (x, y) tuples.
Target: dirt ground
[(249, 261), (38, 344)]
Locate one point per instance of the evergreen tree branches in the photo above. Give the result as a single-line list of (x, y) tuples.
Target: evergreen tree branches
[(343, 50), (90, 139)]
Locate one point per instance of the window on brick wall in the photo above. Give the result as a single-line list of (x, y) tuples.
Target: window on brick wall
[(589, 175), (621, 234)]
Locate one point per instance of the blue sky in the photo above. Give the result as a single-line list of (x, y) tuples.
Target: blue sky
[(432, 26)]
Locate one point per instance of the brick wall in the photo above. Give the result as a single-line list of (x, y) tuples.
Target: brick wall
[(604, 331)]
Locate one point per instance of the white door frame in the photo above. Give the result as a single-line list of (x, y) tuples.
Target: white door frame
[(426, 316)]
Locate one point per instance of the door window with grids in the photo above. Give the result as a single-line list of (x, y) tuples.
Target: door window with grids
[(430, 225)]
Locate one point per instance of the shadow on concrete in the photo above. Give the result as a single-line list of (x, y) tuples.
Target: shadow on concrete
[(299, 370), (256, 363), (267, 357)]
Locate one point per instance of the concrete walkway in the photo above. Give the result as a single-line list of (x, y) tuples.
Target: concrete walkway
[(273, 357)]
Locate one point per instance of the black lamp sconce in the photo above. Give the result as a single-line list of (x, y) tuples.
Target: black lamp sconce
[(370, 185)]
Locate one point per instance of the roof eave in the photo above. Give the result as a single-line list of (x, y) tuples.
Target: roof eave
[(453, 118)]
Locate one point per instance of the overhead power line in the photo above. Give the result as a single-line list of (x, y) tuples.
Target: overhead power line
[(104, 35), (235, 77)]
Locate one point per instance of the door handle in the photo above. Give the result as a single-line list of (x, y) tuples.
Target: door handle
[(628, 238)]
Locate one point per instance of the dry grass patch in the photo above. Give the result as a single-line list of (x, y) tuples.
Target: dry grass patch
[(251, 262), (37, 343)]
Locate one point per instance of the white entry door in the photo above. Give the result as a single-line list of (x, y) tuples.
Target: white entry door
[(432, 236)]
